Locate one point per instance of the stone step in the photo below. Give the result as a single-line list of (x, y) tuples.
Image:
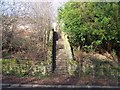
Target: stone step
[(60, 69), (62, 56), (61, 62), (61, 53), (61, 65), (61, 59), (60, 74), (60, 47), (57, 72)]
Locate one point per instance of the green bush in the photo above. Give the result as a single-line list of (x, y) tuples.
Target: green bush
[(91, 25)]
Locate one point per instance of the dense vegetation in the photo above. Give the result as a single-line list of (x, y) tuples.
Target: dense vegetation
[(25, 35), (91, 26), (27, 42)]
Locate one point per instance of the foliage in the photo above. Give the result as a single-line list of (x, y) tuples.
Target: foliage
[(25, 33), (91, 25), (23, 68), (93, 67), (24, 29)]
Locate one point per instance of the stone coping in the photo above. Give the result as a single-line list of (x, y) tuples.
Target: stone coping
[(52, 86)]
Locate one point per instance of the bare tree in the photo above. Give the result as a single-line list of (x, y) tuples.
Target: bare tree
[(25, 27)]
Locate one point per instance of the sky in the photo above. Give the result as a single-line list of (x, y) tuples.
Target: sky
[(55, 3), (64, 0)]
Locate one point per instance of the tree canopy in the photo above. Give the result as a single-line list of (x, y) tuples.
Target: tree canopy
[(91, 24)]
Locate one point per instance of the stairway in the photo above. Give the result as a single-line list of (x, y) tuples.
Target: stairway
[(61, 60)]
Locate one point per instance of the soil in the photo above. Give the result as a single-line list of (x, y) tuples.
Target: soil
[(57, 80)]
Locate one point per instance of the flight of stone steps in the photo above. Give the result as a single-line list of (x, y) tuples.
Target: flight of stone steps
[(61, 59)]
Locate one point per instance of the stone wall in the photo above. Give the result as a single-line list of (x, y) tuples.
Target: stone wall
[(67, 46), (71, 64)]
